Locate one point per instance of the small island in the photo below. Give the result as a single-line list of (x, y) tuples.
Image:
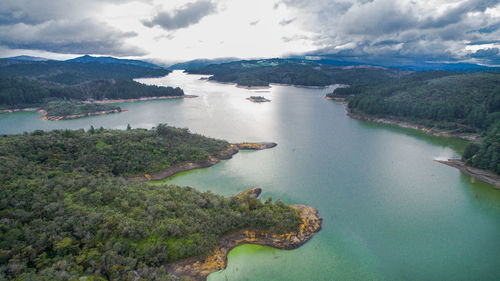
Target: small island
[(258, 99)]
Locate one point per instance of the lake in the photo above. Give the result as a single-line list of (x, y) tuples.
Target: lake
[(390, 212)]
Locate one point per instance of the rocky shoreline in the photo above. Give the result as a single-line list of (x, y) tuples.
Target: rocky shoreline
[(19, 110), (76, 116), (198, 268), (140, 99), (212, 160), (479, 174), (403, 124)]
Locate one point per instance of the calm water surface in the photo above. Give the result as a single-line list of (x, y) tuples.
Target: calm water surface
[(390, 212)]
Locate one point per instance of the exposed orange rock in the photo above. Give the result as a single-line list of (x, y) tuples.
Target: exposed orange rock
[(198, 268)]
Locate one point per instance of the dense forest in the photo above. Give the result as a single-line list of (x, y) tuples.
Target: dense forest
[(449, 100), (66, 108), (70, 73), (293, 71), (24, 92), (487, 154), (67, 211)]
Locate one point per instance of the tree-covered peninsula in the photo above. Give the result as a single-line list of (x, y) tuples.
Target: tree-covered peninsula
[(459, 103), (68, 208), (24, 92), (293, 71), (38, 84)]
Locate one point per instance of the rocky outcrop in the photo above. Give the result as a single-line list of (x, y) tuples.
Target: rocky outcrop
[(198, 268), (482, 175), (212, 160)]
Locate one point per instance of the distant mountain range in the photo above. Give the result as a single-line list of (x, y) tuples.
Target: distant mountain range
[(88, 59), (199, 63), (28, 58), (78, 70), (91, 59)]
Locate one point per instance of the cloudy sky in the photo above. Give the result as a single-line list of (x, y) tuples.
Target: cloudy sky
[(176, 30)]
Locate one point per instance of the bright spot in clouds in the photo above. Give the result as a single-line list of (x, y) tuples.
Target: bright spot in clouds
[(175, 30)]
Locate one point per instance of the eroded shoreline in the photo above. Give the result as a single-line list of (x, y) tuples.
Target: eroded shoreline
[(479, 174), (198, 268), (404, 124), (212, 160)]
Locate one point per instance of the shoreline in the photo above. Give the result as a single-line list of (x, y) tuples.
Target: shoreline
[(19, 110), (140, 99), (77, 116), (212, 160), (198, 268), (404, 124), (102, 101), (266, 87), (479, 174)]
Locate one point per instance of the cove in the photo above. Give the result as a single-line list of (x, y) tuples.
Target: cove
[(389, 211)]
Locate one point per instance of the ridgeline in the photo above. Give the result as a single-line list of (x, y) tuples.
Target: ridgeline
[(294, 72)]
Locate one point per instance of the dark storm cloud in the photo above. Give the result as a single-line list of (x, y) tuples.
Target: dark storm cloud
[(458, 14), (488, 56), (73, 37), (61, 26), (188, 15)]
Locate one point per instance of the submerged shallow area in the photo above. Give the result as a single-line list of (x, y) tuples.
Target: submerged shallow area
[(390, 212)]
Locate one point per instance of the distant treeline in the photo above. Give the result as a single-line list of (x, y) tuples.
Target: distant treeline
[(68, 212), (294, 72), (458, 102), (70, 73), (24, 92), (66, 108)]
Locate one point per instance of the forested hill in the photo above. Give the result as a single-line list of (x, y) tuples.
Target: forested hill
[(458, 102), (33, 83), (69, 73), (295, 72), (68, 212), (23, 92), (107, 60)]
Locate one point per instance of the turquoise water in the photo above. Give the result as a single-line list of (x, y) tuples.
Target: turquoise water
[(390, 212)]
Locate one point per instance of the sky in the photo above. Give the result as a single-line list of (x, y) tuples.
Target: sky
[(175, 30)]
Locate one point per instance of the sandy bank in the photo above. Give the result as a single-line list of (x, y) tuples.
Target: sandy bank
[(198, 268), (479, 174)]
